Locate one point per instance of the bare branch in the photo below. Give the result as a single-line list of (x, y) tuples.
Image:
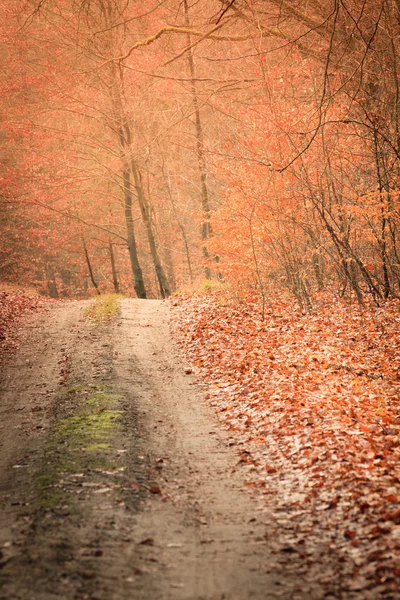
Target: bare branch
[(74, 217), (186, 31), (225, 10)]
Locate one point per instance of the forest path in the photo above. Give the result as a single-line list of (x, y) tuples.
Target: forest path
[(115, 480)]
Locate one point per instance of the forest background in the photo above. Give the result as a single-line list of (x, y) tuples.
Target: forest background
[(252, 142)]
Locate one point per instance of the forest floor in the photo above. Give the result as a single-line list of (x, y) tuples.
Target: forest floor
[(118, 480)]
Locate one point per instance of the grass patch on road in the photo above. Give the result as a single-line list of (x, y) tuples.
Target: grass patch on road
[(104, 308), (80, 444)]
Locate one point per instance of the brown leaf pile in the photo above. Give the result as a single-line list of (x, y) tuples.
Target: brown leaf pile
[(313, 405), (14, 304)]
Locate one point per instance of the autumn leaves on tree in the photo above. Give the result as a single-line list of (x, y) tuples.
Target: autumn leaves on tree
[(257, 142)]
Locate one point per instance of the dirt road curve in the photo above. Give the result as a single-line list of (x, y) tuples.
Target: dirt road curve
[(115, 480)]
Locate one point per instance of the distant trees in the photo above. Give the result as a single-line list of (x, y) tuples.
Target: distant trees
[(266, 134)]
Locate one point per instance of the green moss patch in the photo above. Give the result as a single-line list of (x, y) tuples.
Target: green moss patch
[(80, 443), (102, 397), (81, 430)]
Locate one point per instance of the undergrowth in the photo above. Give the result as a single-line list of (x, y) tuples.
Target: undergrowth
[(201, 287)]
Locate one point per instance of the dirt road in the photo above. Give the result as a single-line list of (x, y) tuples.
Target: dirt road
[(116, 481)]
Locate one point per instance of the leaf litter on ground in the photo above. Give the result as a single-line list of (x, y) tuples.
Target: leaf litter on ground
[(312, 404), (15, 304)]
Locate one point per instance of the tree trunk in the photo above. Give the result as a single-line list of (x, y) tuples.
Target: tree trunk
[(113, 266), (89, 266), (181, 227), (205, 203), (138, 282), (51, 280), (165, 289), (382, 242), (171, 267)]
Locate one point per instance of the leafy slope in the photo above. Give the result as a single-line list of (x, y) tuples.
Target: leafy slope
[(313, 405), (14, 304)]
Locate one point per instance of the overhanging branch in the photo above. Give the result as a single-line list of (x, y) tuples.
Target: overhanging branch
[(76, 218), (184, 30)]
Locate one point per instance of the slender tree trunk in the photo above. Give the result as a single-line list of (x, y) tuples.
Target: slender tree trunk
[(386, 280), (165, 289), (66, 278), (181, 227), (138, 282), (113, 266), (171, 267), (89, 266), (205, 203), (318, 269), (51, 280), (382, 242), (395, 255)]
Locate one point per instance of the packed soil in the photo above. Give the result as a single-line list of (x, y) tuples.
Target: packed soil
[(116, 479)]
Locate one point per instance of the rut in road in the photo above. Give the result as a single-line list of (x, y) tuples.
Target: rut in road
[(150, 504)]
